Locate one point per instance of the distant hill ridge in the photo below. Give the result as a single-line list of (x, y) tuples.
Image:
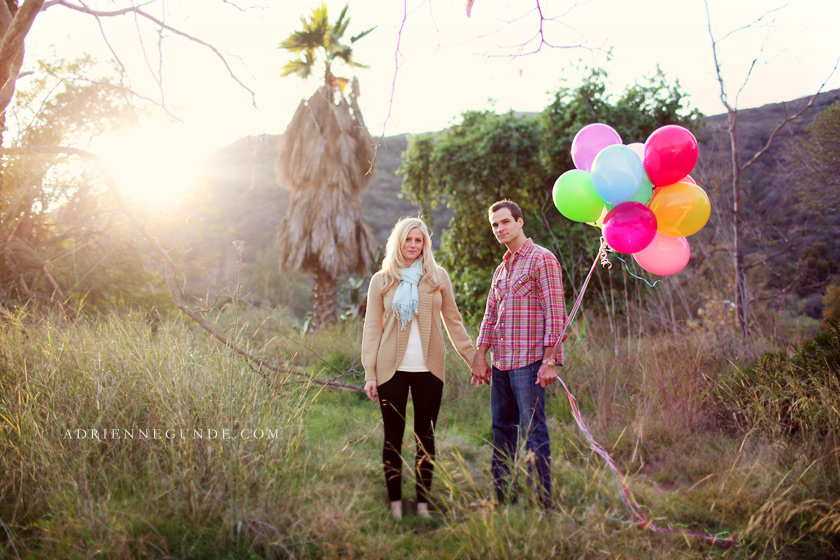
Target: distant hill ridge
[(242, 179)]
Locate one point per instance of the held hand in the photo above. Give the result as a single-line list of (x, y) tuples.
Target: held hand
[(546, 376), (480, 372), (370, 390), (488, 374), (475, 369), (480, 379)]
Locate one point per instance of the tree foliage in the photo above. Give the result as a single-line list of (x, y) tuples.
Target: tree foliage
[(61, 238), (817, 157), (488, 157), (814, 161), (318, 39)]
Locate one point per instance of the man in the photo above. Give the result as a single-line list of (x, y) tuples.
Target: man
[(523, 320)]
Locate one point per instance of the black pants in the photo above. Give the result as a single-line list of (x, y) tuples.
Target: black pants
[(426, 393)]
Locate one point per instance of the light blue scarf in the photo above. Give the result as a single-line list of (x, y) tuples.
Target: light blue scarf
[(407, 299)]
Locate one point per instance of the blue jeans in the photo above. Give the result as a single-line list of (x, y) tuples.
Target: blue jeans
[(518, 407)]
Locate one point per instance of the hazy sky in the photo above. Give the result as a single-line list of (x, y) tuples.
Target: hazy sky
[(448, 62)]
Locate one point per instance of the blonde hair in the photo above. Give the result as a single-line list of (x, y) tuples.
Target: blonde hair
[(394, 260)]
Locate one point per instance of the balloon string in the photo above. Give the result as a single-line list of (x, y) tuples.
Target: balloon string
[(630, 272), (635, 511), (600, 257)]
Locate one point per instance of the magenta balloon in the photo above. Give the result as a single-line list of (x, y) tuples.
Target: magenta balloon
[(629, 227), (671, 153), (665, 255), (589, 141)]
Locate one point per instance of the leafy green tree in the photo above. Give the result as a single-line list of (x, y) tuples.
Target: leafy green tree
[(325, 159), (483, 159), (487, 157), (639, 110)]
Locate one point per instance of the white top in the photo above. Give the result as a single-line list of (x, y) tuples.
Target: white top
[(413, 358)]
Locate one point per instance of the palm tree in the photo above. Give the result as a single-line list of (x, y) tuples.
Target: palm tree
[(325, 159)]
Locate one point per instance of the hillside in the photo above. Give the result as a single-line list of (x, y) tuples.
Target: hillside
[(242, 180), (244, 200)]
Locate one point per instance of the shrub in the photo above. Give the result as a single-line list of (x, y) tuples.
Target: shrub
[(789, 392)]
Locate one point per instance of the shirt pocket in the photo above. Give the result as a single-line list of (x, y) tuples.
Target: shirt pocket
[(522, 285)]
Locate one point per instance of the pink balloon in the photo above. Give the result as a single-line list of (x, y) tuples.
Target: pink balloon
[(589, 141), (639, 149), (665, 255), (629, 227), (671, 153)]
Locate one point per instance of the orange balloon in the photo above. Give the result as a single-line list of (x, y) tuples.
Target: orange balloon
[(681, 209)]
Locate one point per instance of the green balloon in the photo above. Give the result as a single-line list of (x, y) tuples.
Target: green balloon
[(575, 197)]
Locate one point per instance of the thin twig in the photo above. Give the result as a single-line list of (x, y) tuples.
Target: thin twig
[(161, 26), (393, 86)]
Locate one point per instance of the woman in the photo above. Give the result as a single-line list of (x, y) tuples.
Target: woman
[(402, 350)]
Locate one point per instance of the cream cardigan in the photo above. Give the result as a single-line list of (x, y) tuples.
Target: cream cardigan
[(383, 343)]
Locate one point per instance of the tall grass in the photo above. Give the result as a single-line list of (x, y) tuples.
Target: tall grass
[(119, 435), (312, 485)]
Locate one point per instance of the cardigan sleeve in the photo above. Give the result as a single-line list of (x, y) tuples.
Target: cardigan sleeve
[(452, 319), (373, 326)]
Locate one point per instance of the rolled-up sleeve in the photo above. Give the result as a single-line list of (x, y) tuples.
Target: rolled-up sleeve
[(550, 285), (485, 333)]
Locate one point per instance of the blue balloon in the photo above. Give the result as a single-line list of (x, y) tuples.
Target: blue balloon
[(617, 173)]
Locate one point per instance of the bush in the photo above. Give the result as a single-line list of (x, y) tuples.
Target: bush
[(790, 392)]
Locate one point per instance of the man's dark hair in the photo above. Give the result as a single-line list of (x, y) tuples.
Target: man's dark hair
[(514, 208)]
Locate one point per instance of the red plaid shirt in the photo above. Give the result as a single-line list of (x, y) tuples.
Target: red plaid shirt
[(525, 308)]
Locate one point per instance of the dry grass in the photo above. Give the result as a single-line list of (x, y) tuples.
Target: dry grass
[(314, 490)]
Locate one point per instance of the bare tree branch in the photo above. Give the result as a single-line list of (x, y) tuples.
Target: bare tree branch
[(723, 96), (104, 35), (11, 47), (754, 22), (8, 89), (767, 259), (393, 87), (5, 17), (788, 119), (742, 301), (540, 34), (162, 26)]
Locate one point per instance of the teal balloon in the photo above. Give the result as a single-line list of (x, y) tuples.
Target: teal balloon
[(575, 197), (617, 173)]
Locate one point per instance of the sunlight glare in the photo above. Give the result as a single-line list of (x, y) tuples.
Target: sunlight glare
[(158, 165)]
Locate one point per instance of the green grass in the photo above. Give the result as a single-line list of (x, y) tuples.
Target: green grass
[(314, 489)]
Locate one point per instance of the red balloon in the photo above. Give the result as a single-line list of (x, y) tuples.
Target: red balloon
[(671, 153), (629, 227)]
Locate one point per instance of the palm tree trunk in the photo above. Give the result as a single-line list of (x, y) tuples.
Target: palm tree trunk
[(324, 298)]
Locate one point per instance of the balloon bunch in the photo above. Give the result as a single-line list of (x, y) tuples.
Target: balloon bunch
[(640, 195)]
